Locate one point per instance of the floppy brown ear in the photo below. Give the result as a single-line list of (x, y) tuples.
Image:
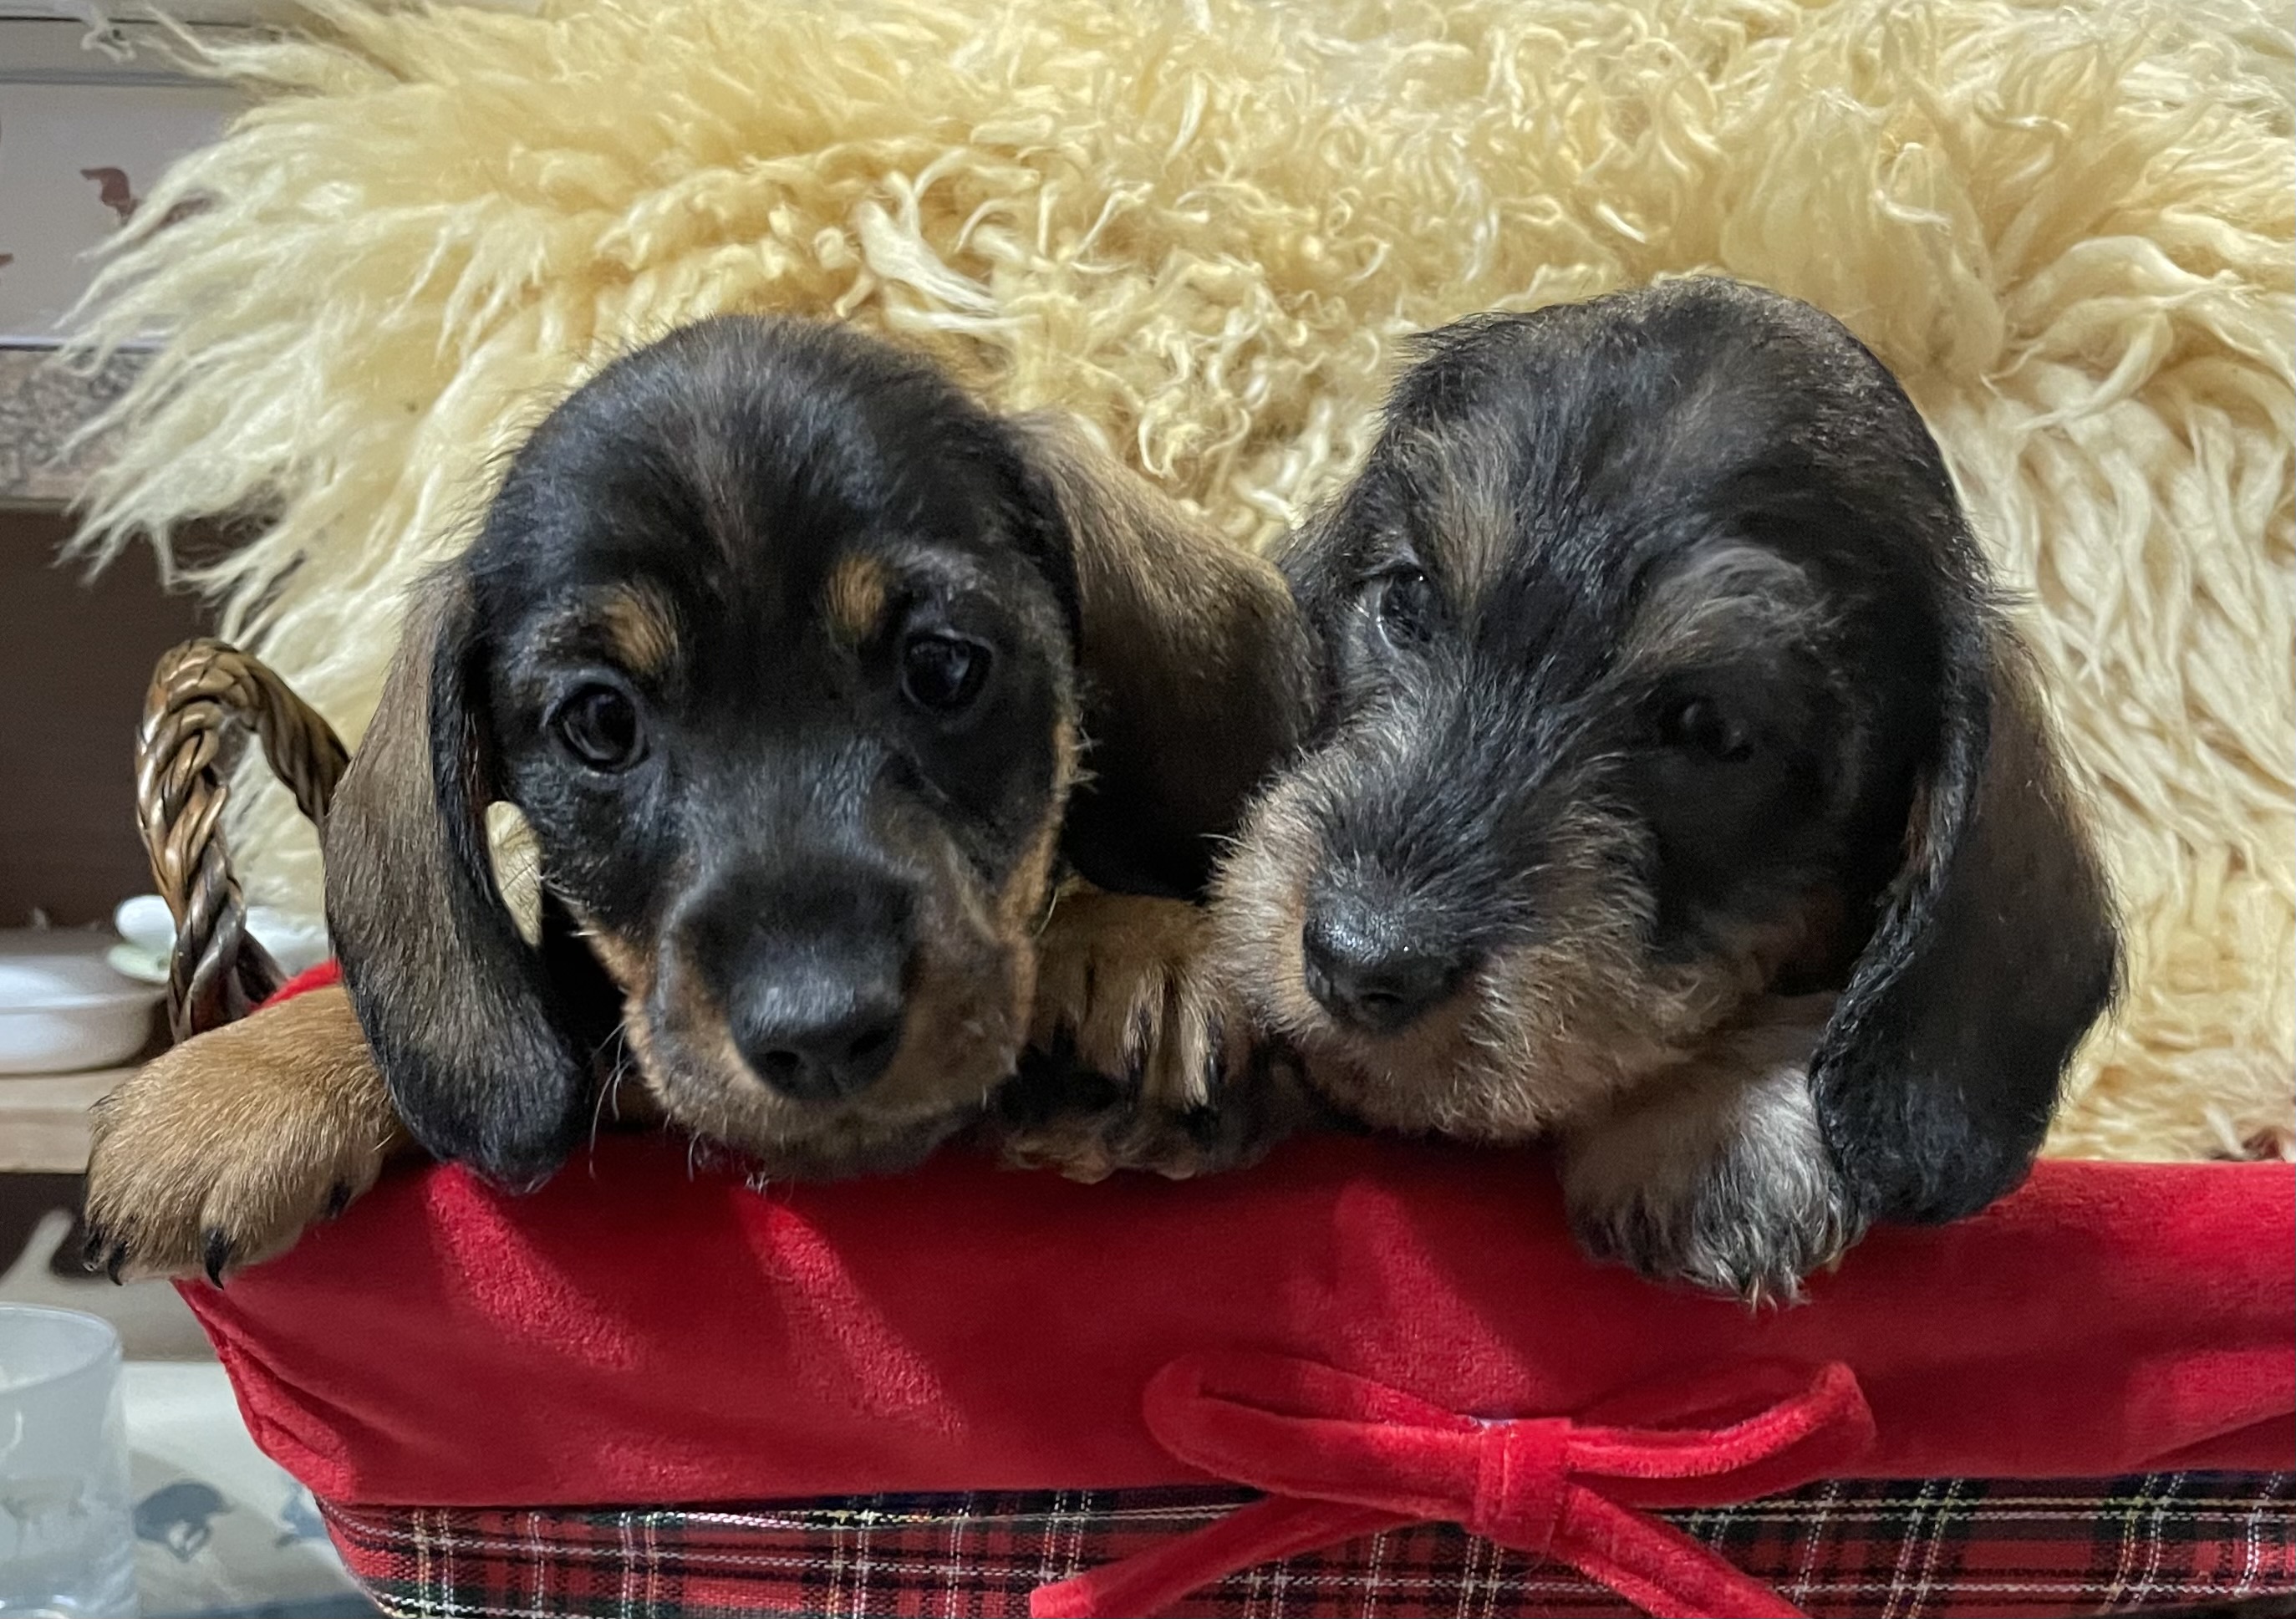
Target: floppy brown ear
[(460, 1011), (1995, 954), (1192, 665)]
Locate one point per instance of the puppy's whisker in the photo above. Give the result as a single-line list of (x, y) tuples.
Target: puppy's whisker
[(609, 1093)]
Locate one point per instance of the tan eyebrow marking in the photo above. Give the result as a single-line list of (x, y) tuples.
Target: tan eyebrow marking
[(1470, 526), (1734, 596), (855, 594), (637, 625)]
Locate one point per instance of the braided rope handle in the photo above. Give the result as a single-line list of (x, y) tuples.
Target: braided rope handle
[(204, 695)]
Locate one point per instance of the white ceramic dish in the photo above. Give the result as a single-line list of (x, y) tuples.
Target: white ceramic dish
[(62, 1006), (148, 933)]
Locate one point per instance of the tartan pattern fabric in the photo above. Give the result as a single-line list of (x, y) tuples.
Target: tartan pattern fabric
[(1938, 1549)]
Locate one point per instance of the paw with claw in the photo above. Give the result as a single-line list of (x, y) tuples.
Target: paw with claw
[(1138, 1060), (220, 1153), (1716, 1178)]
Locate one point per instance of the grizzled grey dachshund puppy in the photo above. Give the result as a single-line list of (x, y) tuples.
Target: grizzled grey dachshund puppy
[(1678, 792)]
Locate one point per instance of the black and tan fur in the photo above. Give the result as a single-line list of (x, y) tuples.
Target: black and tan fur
[(1677, 790), (1670, 785), (814, 682)]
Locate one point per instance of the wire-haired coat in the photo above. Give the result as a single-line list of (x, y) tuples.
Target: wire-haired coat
[(1676, 790)]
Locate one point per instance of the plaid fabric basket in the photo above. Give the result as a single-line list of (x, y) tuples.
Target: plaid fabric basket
[(1941, 1548)]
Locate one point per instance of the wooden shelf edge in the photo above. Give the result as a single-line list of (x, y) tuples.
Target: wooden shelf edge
[(44, 1125)]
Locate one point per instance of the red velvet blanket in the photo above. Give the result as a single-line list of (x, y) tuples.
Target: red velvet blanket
[(1347, 1326)]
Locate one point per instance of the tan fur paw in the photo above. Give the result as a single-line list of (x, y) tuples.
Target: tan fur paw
[(1121, 978), (1138, 1061), (218, 1153)]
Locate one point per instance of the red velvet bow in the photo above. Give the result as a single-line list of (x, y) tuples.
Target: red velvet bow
[(1341, 1457)]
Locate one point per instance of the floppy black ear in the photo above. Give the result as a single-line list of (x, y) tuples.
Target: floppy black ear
[(1193, 673), (1996, 951), (460, 1011)]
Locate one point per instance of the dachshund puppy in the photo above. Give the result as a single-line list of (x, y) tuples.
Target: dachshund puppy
[(1678, 792), (771, 635)]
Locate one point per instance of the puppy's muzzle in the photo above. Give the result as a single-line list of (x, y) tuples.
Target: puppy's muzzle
[(1364, 967), (813, 979)]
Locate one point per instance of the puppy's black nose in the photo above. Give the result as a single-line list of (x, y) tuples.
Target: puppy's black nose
[(809, 964), (819, 1031), (1362, 972)]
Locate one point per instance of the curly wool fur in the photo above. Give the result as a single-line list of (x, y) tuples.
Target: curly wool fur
[(1206, 229)]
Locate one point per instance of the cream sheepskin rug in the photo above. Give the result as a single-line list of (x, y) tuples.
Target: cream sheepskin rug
[(1206, 227)]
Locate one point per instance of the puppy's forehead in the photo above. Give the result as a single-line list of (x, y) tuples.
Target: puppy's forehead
[(1584, 451), (1537, 513), (758, 471), (747, 434)]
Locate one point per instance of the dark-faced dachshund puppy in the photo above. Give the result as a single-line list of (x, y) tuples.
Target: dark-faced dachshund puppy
[(793, 658), (1678, 792)]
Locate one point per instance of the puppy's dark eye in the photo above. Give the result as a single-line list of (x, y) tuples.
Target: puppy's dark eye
[(1700, 725), (599, 725), (942, 673), (1403, 601)]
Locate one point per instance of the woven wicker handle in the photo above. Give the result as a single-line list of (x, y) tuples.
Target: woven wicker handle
[(203, 694)]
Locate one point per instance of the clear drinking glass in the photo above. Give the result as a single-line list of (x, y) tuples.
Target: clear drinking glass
[(67, 1541)]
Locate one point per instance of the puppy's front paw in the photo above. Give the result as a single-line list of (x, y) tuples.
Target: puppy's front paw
[(1138, 1061), (220, 1153), (1058, 1115), (1723, 1184)]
